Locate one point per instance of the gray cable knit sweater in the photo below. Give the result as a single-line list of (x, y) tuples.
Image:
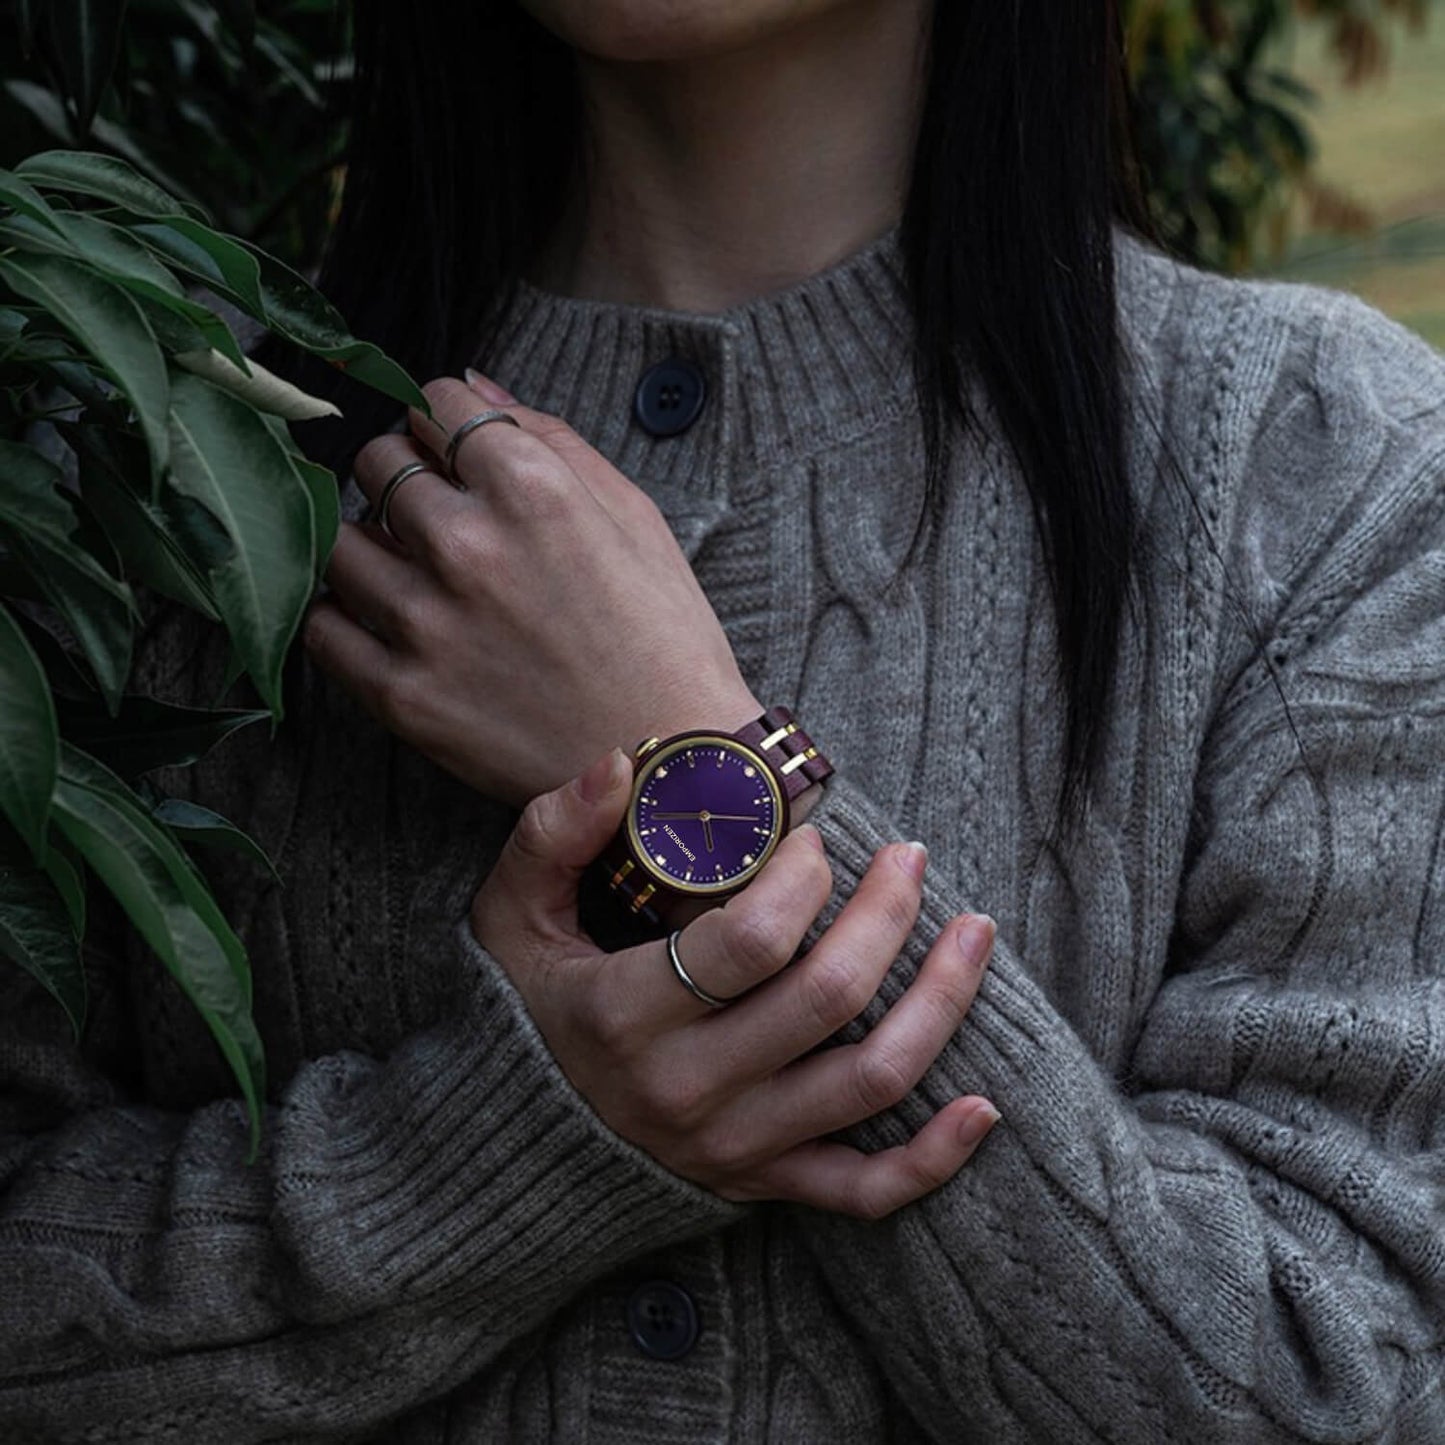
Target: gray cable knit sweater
[(1214, 1023)]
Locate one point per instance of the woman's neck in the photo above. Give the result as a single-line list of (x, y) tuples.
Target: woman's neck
[(718, 178)]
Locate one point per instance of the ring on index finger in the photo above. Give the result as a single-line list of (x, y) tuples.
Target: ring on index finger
[(393, 482), (465, 429)]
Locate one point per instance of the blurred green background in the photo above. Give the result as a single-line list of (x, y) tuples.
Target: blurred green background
[(1302, 138), (1381, 143)]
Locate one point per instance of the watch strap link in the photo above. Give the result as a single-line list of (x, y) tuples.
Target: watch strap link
[(632, 886), (788, 748)]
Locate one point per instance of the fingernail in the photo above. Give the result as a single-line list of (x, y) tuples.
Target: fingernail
[(600, 779), (488, 388), (977, 1123), (810, 834), (913, 859), (976, 936)]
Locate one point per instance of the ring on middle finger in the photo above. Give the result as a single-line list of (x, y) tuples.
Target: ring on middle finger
[(685, 978), (465, 429)]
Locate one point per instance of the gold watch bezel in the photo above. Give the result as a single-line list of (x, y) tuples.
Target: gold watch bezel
[(670, 749)]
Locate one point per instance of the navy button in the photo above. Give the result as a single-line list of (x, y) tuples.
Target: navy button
[(662, 1320), (669, 397)]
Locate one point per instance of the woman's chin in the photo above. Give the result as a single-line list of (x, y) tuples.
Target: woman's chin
[(671, 30)]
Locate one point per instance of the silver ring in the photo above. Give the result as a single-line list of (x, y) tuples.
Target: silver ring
[(681, 972), (393, 482), (466, 428)]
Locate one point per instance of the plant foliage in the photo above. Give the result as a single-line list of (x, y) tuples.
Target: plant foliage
[(140, 448)]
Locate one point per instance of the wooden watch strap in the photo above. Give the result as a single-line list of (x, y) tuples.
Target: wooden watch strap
[(788, 748)]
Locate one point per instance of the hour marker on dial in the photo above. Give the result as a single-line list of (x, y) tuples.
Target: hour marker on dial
[(661, 858), (750, 772), (660, 773), (747, 857)]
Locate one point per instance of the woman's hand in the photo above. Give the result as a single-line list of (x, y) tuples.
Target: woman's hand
[(732, 1098), (528, 623)]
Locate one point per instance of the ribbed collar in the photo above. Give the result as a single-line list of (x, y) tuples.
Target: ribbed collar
[(786, 373)]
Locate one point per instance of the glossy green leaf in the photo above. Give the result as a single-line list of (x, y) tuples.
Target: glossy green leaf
[(36, 932), (326, 507), (102, 616), (66, 871), (223, 263), (142, 530), (63, 669), (171, 907), (85, 40), (108, 178), (325, 495), (108, 323), (45, 107), (25, 199), (299, 312), (146, 733), (198, 825), (29, 740), (226, 458), (179, 323), (39, 527)]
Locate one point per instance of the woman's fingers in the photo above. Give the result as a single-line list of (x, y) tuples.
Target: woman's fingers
[(844, 1180), (841, 1086), (421, 503), (832, 985), (731, 949)]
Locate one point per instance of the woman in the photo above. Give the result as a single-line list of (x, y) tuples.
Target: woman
[(1139, 627)]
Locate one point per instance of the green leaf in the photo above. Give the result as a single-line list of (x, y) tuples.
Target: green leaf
[(101, 617), (29, 738), (325, 496), (295, 309), (224, 264), (65, 870), (67, 677), (108, 178), (226, 458), (50, 115), (85, 40), (146, 733), (179, 323), (325, 505), (110, 326), (36, 932), (143, 533), (173, 910), (38, 524), (200, 825), (26, 200)]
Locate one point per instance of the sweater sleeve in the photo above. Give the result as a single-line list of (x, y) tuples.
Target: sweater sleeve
[(1241, 1236), (410, 1217)]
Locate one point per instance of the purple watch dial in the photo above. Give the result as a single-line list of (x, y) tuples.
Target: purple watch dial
[(706, 814)]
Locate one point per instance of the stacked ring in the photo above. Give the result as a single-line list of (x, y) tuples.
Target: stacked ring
[(465, 430), (384, 501)]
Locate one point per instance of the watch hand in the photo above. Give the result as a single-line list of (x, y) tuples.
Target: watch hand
[(728, 817), (679, 815), (707, 832)]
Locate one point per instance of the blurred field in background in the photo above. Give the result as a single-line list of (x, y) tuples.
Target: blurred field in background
[(1380, 143)]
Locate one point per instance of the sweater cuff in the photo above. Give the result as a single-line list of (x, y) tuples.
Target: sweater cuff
[(473, 1164)]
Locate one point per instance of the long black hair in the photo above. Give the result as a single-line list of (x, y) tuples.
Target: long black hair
[(1021, 172)]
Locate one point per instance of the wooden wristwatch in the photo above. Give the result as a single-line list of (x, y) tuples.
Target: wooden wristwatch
[(707, 811)]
